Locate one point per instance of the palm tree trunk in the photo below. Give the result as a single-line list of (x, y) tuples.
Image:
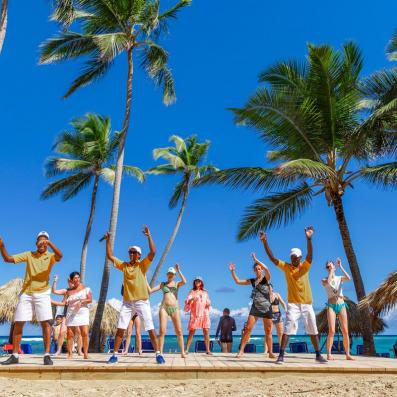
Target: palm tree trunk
[(83, 259), (95, 340), (3, 22), (171, 239), (369, 346)]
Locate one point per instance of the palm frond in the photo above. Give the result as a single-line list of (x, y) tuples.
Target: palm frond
[(275, 210), (384, 175), (179, 190), (391, 49), (163, 169), (68, 186), (57, 165), (306, 168)]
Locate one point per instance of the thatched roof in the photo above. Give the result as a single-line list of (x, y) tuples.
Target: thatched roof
[(384, 298), (8, 299), (109, 320), (355, 320)]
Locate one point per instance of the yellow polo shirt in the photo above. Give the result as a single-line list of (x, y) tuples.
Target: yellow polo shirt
[(134, 278), (298, 282), (38, 270)]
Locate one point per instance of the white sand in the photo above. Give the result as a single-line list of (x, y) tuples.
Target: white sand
[(290, 385)]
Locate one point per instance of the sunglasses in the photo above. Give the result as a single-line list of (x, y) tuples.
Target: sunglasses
[(133, 252)]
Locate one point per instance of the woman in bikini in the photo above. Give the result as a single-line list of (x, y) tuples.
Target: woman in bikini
[(198, 304), (276, 300), (77, 300), (169, 306), (261, 307), (336, 306)]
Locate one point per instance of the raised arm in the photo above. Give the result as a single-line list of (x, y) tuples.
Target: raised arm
[(183, 278), (152, 249), (154, 289), (7, 258), (109, 251), (57, 252), (232, 268), (54, 289), (346, 275), (263, 238), (262, 265), (309, 231)]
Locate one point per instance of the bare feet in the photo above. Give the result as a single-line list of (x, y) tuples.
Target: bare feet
[(239, 355), (69, 356), (86, 357), (271, 355), (349, 357), (183, 355), (330, 357), (57, 354), (125, 353), (209, 353)]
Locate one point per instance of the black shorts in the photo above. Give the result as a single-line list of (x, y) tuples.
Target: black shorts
[(226, 340)]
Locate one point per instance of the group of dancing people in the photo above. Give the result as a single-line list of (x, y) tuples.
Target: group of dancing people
[(35, 297)]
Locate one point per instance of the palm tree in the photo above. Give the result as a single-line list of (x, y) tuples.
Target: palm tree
[(184, 159), (85, 155), (312, 114), (109, 28), (3, 22)]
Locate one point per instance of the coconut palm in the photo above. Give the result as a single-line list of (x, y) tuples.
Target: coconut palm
[(105, 30), (184, 159), (3, 22), (84, 156), (311, 114)]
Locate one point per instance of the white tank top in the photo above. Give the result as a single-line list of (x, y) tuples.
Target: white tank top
[(334, 288)]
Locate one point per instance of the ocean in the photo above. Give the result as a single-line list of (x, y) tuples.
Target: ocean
[(383, 343)]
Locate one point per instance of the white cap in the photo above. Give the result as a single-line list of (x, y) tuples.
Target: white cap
[(198, 278), (171, 270), (296, 252), (136, 248), (43, 234)]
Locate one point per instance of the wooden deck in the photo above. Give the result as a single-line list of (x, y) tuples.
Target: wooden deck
[(196, 366)]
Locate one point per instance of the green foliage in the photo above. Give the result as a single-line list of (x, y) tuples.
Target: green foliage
[(106, 28), (84, 153), (185, 159)]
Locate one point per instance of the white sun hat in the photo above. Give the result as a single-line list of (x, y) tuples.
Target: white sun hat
[(43, 233), (136, 248), (171, 270), (296, 252)]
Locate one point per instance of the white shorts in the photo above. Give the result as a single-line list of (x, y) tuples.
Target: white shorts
[(39, 303), (141, 308), (294, 312)]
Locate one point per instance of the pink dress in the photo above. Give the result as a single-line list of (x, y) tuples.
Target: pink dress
[(199, 310)]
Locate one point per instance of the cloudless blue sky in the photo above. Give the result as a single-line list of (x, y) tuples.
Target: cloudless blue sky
[(217, 48)]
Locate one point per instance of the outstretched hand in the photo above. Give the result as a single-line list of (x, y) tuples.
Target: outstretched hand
[(1, 242), (177, 267), (232, 267), (262, 236), (106, 236), (254, 258), (309, 231), (146, 231), (338, 262)]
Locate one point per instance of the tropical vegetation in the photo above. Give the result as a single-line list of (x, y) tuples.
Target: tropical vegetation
[(186, 160), (84, 156)]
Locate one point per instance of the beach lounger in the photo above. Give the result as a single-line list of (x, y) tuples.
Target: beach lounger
[(131, 349), (276, 347), (110, 346), (298, 347), (7, 349), (385, 355), (250, 348), (26, 348), (199, 346), (360, 350), (147, 346), (395, 350), (337, 347)]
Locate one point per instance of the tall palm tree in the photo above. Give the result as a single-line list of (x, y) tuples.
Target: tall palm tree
[(107, 29), (184, 159), (85, 155), (3, 22), (311, 114)]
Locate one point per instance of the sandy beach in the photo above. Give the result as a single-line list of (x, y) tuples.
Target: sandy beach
[(290, 385)]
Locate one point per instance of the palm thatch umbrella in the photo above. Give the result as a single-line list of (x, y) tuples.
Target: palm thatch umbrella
[(384, 298), (108, 324), (355, 320)]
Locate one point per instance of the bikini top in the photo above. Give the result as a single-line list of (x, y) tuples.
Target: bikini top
[(275, 302), (166, 289)]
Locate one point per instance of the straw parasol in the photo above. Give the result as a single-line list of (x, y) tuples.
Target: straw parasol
[(8, 299), (355, 320), (384, 298)]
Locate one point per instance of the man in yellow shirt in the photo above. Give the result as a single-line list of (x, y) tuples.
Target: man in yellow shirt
[(35, 295), (299, 294), (135, 293)]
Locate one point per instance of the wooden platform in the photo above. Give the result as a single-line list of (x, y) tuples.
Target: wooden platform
[(196, 366)]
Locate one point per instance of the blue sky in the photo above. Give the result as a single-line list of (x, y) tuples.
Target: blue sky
[(217, 48)]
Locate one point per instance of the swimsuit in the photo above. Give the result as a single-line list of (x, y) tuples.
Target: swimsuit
[(170, 310), (334, 290), (336, 307), (276, 315)]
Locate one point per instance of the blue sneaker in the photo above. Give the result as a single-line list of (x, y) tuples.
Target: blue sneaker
[(113, 360), (160, 359)]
